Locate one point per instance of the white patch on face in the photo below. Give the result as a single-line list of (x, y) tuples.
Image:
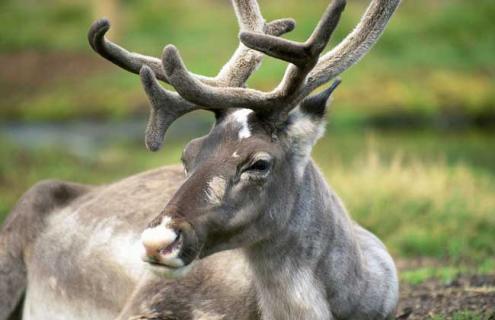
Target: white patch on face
[(241, 117), (235, 154), (215, 190)]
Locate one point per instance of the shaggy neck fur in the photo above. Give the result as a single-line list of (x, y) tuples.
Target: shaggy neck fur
[(299, 270)]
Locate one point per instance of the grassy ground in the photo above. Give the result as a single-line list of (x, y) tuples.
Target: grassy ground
[(463, 298), (439, 68)]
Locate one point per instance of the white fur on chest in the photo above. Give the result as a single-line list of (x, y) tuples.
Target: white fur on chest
[(103, 240), (107, 259), (295, 295), (40, 303)]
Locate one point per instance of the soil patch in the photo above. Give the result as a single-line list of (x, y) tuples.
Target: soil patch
[(475, 294)]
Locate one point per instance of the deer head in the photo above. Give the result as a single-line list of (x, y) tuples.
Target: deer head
[(242, 179)]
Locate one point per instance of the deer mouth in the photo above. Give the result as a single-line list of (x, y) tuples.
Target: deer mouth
[(167, 255), (173, 247), (166, 261)]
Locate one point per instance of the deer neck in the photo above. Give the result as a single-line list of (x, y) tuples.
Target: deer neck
[(296, 273)]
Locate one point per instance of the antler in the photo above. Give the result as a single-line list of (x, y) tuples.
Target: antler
[(306, 72), (234, 73), (167, 106)]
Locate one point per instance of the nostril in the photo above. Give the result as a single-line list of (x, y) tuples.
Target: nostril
[(159, 237), (169, 248), (163, 246)]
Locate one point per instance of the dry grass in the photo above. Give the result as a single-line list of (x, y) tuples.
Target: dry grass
[(420, 208)]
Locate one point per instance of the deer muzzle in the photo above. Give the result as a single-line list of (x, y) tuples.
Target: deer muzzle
[(169, 245)]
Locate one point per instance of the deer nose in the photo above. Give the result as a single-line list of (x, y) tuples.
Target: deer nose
[(162, 246), (157, 239)]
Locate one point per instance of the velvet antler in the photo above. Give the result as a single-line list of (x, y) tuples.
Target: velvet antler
[(167, 106), (306, 72)]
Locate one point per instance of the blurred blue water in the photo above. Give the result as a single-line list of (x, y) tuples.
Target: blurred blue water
[(85, 137)]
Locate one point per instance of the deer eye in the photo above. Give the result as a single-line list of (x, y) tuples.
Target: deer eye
[(261, 165), (258, 168)]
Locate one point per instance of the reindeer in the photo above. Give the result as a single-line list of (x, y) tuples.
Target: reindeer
[(246, 228)]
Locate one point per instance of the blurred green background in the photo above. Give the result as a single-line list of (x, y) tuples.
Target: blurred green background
[(410, 145)]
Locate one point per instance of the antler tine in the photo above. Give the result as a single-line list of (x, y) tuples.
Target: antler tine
[(209, 97), (280, 27), (129, 61), (245, 61), (299, 54), (133, 62), (296, 73), (299, 80), (355, 45), (167, 106), (303, 56)]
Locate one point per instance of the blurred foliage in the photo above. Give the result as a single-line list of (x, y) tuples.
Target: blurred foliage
[(435, 60), (446, 274)]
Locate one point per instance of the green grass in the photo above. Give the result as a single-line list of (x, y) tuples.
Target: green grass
[(420, 196), (446, 274), (440, 67), (462, 315)]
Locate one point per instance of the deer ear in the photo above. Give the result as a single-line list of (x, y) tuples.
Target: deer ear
[(303, 129), (316, 105), (306, 124)]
